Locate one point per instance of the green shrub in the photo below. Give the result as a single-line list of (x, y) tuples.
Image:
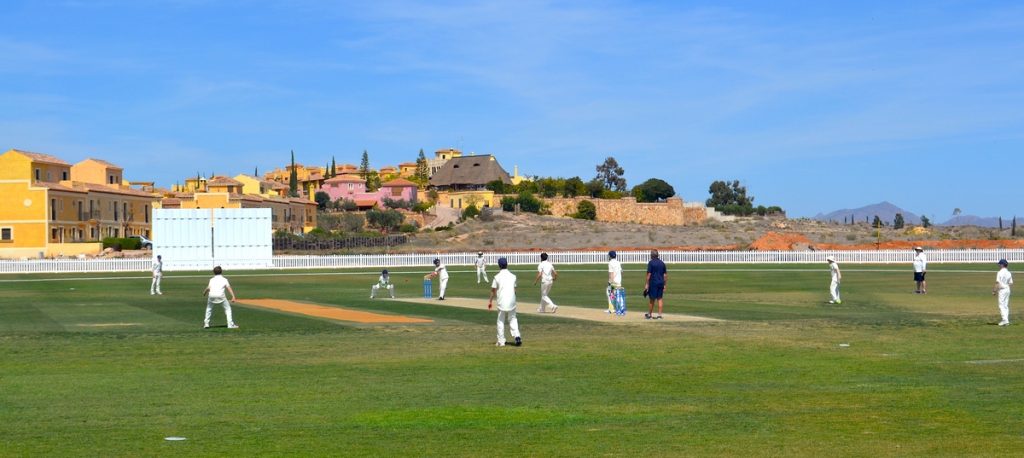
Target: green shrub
[(408, 228), (470, 212), (119, 244), (586, 210)]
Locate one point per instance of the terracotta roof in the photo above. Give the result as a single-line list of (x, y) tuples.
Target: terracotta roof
[(397, 183), (365, 202), (57, 187), (388, 167), (316, 176), (223, 181), (275, 185), (102, 162), (407, 164), (299, 200), (39, 157), (470, 170), (110, 190), (346, 179)]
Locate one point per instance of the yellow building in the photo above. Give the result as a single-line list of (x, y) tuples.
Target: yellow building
[(51, 207), (260, 187), (295, 215), (310, 179), (441, 157), (407, 169)]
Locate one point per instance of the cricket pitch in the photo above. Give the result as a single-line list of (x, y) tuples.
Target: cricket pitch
[(564, 311), (329, 312)]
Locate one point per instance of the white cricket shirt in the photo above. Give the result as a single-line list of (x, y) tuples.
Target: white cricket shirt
[(547, 271), (481, 263), (920, 262), (218, 285), (1004, 278), (383, 281), (615, 268), (834, 268), (442, 272), (505, 295), (158, 267)]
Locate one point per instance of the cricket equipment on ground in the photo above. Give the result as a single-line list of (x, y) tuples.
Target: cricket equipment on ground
[(428, 288)]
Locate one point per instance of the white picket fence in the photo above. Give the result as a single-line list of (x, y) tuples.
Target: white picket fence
[(514, 258)]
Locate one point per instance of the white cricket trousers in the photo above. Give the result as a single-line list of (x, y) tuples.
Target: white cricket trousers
[(513, 325), (834, 289), (1004, 303), (444, 286), (545, 300), (373, 291), (155, 287), (481, 272), (209, 309)]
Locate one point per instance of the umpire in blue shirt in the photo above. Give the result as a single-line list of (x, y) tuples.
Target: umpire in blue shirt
[(654, 288)]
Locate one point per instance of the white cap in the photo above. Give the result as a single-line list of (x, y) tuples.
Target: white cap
[(830, 259)]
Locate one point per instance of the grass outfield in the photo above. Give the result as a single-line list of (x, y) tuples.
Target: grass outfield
[(98, 367)]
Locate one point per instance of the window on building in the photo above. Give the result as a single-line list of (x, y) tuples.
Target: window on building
[(124, 210), (39, 174), (81, 212), (49, 176), (53, 209), (114, 204), (6, 234), (147, 213), (54, 233), (64, 175)]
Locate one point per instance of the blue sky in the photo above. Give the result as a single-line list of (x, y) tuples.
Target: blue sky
[(816, 106)]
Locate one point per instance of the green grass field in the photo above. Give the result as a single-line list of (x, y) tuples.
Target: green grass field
[(98, 367)]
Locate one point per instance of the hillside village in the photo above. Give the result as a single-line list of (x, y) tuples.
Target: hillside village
[(50, 207)]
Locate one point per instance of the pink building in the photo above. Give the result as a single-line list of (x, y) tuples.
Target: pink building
[(353, 188)]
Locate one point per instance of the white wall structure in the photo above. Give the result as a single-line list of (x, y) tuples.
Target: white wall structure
[(233, 238)]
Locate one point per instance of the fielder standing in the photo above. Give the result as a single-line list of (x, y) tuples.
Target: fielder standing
[(383, 282), (503, 287), (614, 279), (920, 270), (837, 278), (158, 274), (215, 292), (481, 268), (1004, 279), (441, 272), (657, 278), (547, 275)]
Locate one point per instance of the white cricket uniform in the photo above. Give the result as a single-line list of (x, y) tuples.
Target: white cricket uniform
[(615, 268), (920, 263), (547, 279), (383, 282), (834, 287), (218, 295), (158, 274), (442, 277), (504, 284), (481, 269), (1005, 279)]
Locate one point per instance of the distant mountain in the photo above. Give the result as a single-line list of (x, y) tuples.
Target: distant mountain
[(885, 210), (971, 220)]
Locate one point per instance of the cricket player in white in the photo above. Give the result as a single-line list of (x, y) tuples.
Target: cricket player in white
[(1004, 280), (837, 278), (441, 272), (383, 282), (546, 274), (215, 294), (481, 267), (503, 287), (158, 274), (920, 270), (614, 277)]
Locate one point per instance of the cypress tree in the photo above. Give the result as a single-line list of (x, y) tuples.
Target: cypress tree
[(293, 179)]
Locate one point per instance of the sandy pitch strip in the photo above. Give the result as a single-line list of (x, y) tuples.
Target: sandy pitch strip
[(565, 311), (333, 313)]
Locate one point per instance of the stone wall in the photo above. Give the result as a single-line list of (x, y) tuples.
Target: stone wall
[(672, 212)]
